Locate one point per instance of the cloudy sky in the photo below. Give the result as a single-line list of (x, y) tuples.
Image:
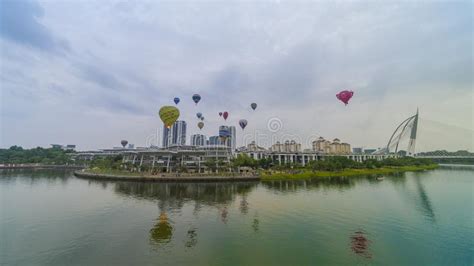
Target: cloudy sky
[(94, 72)]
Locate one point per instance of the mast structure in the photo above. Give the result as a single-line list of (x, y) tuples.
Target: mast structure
[(414, 129), (409, 125)]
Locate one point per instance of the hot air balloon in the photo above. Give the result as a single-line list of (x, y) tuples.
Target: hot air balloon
[(243, 123), (345, 96), (225, 115), (176, 100), (200, 125), (196, 98), (253, 105), (124, 143), (169, 115), (199, 115), (220, 113), (202, 118)]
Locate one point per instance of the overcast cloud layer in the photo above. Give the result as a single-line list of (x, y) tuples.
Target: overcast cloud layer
[(94, 72)]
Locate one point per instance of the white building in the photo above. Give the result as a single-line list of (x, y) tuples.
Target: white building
[(176, 135), (198, 140), (328, 147), (288, 146), (232, 139)]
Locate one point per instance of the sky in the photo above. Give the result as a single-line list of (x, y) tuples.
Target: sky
[(92, 73)]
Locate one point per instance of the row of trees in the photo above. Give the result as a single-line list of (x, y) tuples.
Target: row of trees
[(18, 155), (331, 163)]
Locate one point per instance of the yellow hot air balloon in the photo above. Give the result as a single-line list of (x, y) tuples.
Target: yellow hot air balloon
[(169, 115)]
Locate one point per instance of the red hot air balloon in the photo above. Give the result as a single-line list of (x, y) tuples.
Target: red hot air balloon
[(225, 115), (345, 96)]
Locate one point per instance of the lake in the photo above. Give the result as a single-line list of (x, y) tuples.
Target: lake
[(50, 217)]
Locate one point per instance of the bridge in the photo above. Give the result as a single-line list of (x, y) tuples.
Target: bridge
[(406, 131), (408, 127)]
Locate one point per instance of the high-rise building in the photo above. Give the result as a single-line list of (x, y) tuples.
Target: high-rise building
[(176, 135), (232, 141), (334, 147), (288, 146), (198, 140), (164, 142), (214, 140), (230, 136)]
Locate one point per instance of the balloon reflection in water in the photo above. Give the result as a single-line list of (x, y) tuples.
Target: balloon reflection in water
[(224, 214), (162, 232), (244, 205), (255, 224), (360, 244), (192, 238)]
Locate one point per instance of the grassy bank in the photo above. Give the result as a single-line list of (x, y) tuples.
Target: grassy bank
[(306, 174), (118, 172), (100, 171), (282, 175)]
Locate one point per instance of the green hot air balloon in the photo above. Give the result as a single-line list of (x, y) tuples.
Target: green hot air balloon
[(169, 115)]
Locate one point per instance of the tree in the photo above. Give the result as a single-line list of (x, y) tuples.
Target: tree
[(211, 164), (244, 160)]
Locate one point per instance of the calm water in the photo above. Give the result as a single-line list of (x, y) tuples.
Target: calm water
[(52, 218)]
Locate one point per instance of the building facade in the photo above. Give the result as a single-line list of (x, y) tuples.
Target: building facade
[(288, 146), (198, 140), (214, 140), (232, 141), (177, 158), (176, 135), (335, 147)]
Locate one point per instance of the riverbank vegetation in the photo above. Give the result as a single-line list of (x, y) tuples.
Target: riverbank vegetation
[(305, 174), (50, 156), (268, 170), (335, 166)]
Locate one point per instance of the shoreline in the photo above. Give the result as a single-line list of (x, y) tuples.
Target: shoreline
[(264, 177), (39, 166), (348, 172), (169, 178)]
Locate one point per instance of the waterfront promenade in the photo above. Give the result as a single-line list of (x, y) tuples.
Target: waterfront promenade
[(166, 177)]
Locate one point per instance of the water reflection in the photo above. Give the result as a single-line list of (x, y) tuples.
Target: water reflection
[(314, 184), (162, 232), (360, 244), (255, 224), (417, 195), (192, 238), (175, 195), (34, 176), (172, 197), (244, 205), (224, 213), (186, 223), (425, 202)]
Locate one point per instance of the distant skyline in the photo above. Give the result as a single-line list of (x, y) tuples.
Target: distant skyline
[(92, 73)]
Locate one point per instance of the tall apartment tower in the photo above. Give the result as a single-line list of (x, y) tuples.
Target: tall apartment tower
[(198, 140), (176, 135)]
